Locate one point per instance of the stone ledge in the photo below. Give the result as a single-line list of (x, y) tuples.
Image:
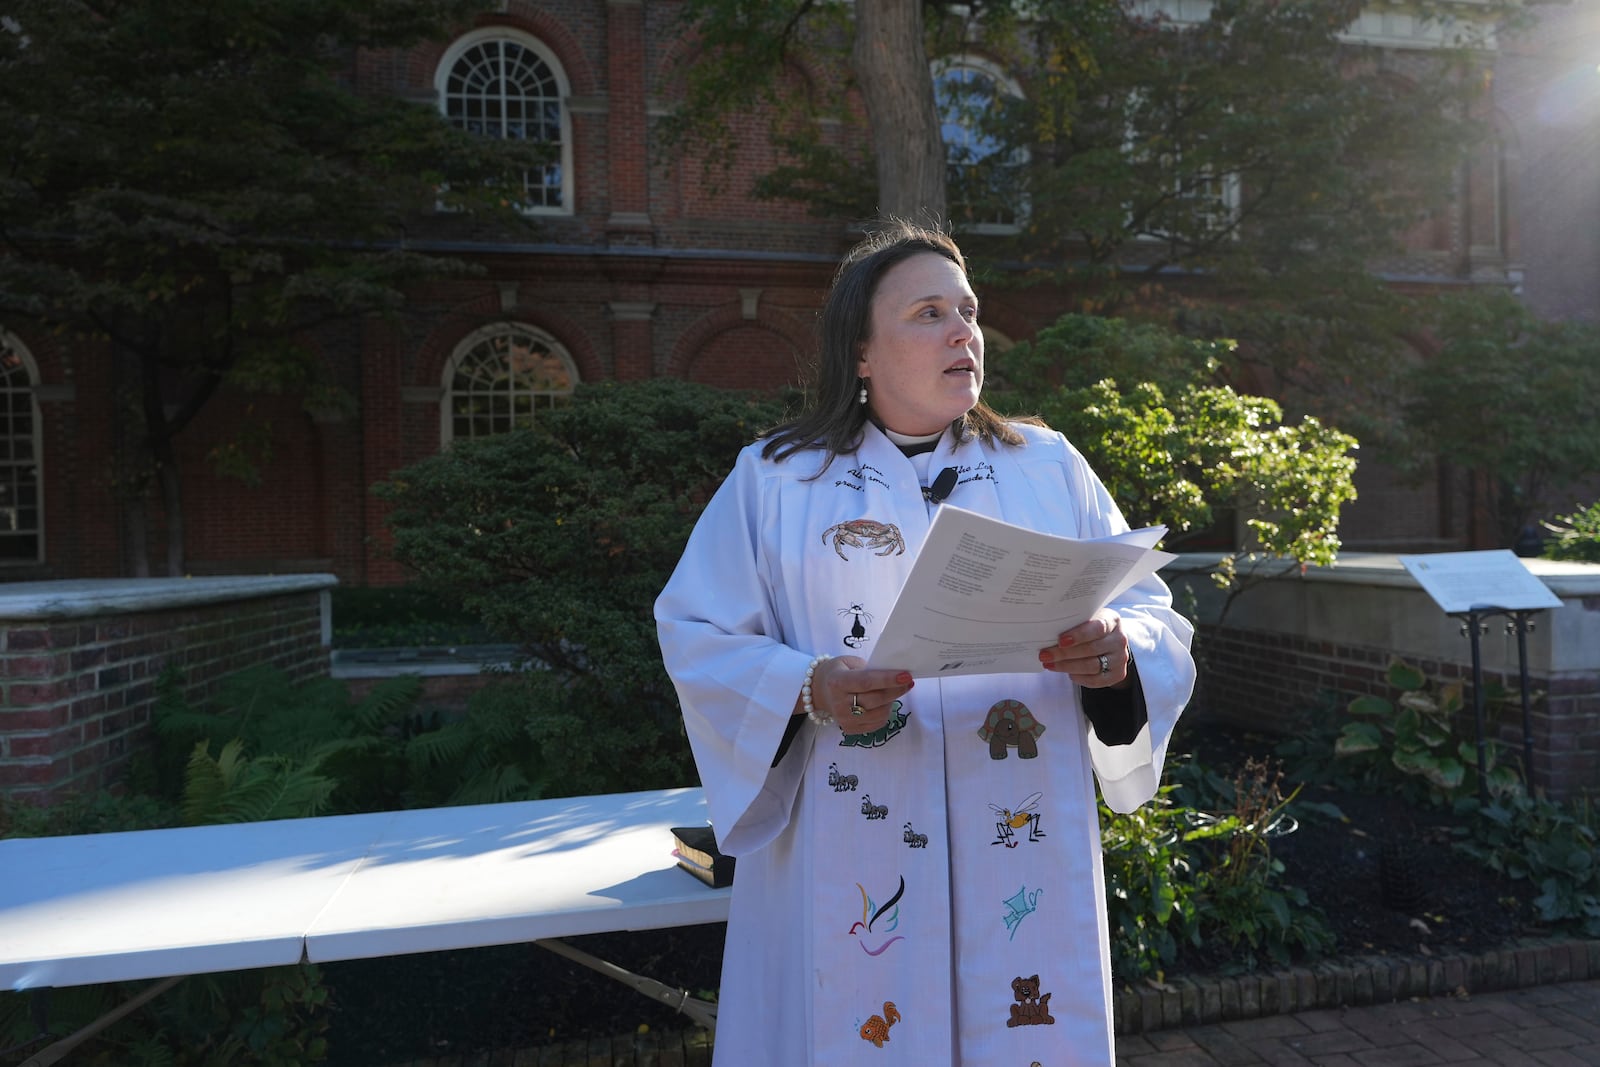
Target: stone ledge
[(85, 597), (1345, 982)]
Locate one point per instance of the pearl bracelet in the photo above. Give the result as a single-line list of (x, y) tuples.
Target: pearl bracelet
[(805, 693)]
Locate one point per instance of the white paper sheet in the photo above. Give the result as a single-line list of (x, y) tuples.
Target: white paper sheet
[(1496, 579), (984, 596)]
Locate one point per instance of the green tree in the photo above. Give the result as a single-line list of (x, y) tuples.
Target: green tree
[(742, 52), (1177, 445), (197, 187), (1511, 398), (1257, 153)]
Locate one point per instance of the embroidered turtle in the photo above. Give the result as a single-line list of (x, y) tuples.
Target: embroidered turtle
[(865, 533), (1011, 725)]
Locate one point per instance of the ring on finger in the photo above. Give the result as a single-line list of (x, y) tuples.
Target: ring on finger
[(855, 705), (1105, 663)]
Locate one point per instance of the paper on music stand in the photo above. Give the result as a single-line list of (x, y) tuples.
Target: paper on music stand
[(984, 596), (1469, 581)]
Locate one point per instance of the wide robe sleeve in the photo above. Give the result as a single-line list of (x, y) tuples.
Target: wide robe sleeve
[(722, 640), (1158, 639)]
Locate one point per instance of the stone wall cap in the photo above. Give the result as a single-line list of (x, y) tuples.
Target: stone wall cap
[(1565, 579), (78, 598)]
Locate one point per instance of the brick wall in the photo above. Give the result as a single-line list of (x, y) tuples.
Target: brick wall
[(78, 673), (1283, 649)]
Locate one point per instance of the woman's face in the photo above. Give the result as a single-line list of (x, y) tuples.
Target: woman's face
[(924, 354)]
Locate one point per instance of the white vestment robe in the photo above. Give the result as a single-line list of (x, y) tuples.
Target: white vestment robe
[(932, 894)]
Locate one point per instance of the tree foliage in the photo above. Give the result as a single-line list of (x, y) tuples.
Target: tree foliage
[(1260, 156), (1178, 446), (198, 187), (560, 537), (1512, 398)]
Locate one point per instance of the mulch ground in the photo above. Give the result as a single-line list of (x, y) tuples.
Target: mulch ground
[(405, 1008)]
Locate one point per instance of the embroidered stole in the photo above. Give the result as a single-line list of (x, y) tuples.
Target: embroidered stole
[(957, 914)]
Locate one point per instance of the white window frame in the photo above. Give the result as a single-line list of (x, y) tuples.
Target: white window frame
[(1228, 197), (1006, 85), (486, 334), (462, 45), (10, 344)]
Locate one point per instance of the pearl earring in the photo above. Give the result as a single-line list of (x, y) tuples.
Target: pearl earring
[(861, 397)]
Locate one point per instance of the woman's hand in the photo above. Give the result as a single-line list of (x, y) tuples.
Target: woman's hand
[(1094, 653), (843, 684)]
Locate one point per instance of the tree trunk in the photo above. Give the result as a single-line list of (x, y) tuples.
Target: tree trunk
[(891, 66), (172, 504)]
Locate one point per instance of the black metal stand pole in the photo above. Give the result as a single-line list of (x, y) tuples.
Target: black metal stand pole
[(1522, 623), (1474, 628)]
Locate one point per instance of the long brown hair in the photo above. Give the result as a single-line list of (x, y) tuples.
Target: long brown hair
[(834, 420)]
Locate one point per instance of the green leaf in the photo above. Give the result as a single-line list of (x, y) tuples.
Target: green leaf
[(1369, 705), (1358, 737), (1404, 676)]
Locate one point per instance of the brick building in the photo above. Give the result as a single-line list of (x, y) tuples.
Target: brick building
[(641, 268)]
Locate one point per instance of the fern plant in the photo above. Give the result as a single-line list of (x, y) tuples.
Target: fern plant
[(293, 734)]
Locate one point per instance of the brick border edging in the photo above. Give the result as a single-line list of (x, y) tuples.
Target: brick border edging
[(1353, 982), (1347, 981)]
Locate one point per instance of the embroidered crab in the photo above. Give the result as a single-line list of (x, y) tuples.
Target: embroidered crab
[(865, 533)]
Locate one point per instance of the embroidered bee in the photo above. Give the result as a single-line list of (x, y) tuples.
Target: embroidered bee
[(876, 1029), (871, 810), (858, 633), (842, 783), (914, 839), (1012, 821), (865, 533)]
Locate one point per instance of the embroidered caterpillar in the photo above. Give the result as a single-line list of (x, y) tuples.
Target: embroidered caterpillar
[(842, 783)]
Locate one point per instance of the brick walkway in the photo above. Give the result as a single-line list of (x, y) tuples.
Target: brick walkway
[(1546, 1026)]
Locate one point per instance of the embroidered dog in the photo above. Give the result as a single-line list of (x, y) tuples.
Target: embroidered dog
[(876, 1029), (1011, 725), (1030, 1008)]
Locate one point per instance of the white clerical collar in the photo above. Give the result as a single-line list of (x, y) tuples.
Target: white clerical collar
[(908, 441)]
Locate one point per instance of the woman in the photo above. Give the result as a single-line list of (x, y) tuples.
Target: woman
[(919, 875)]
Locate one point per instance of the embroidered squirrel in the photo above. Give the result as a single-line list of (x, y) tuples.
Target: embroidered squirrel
[(876, 1029), (1030, 1008)]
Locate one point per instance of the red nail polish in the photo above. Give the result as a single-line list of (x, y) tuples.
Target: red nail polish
[(1066, 642), (904, 678)]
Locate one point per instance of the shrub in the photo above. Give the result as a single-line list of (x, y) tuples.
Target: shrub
[(1410, 744), (1549, 845), (560, 537), (400, 616), (1575, 537)]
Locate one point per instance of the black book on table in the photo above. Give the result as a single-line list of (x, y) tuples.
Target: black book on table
[(697, 853)]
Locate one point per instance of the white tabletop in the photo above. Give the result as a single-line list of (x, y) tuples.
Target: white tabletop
[(115, 907)]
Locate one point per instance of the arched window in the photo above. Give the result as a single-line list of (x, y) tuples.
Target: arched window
[(501, 83), (21, 520), (500, 377), (985, 178)]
